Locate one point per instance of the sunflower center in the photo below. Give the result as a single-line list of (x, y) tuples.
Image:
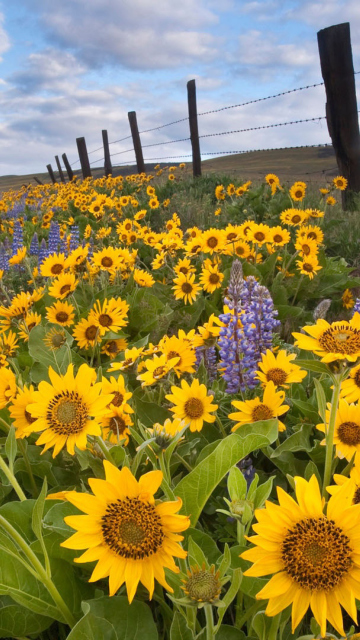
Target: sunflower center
[(277, 375), (132, 529), (214, 278), (67, 413), (184, 270), (112, 346), (118, 399), (186, 287), (312, 235), (262, 412), (56, 269), (349, 433), (194, 408), (159, 372), (117, 425), (107, 262), (306, 249), (212, 242), (64, 289), (231, 236), (316, 554), (62, 316), (343, 339), (308, 267), (356, 498), (357, 378), (202, 586), (174, 354), (105, 320), (277, 237), (90, 333), (259, 236), (28, 417), (298, 194)]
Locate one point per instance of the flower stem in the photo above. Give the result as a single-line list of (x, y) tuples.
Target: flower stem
[(42, 575), (330, 432), (104, 449), (209, 622), (10, 476), (34, 489)]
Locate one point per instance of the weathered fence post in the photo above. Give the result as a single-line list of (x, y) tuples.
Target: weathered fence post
[(84, 158), (37, 180), (51, 173), (62, 177), (341, 108), (136, 141), (67, 166), (194, 131), (107, 165)]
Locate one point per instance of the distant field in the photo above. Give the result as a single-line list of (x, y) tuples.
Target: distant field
[(312, 164)]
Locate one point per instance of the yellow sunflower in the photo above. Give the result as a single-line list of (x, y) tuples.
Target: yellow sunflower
[(63, 286), (336, 341), (259, 234), (130, 357), (111, 315), (279, 369), (211, 278), (18, 412), (8, 386), (340, 183), (315, 557), (184, 266), (86, 333), (108, 259), (350, 388), (131, 537), (156, 369), (53, 265), (311, 232), (347, 299), (112, 348), (279, 236), (143, 278), (61, 313), (68, 410), (297, 191), (306, 247), (185, 288), (212, 240), (353, 482), (250, 411), (181, 349), (119, 392), (115, 426), (293, 217), (192, 404), (308, 266), (347, 429)]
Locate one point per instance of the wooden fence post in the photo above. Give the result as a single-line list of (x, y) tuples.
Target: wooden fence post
[(136, 141), (194, 131), (341, 108), (107, 165), (51, 173), (67, 166), (62, 177), (84, 158), (37, 180)]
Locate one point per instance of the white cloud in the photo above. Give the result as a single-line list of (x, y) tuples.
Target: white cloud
[(4, 38), (49, 70)]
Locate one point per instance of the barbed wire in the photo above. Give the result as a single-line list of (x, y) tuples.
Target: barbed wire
[(266, 126)]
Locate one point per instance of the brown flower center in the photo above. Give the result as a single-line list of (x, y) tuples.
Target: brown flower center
[(349, 433), (307, 266), (262, 412), (357, 378), (184, 270), (277, 238), (105, 320), (186, 287), (356, 498), (312, 235), (298, 194), (194, 408), (343, 339), (159, 372), (118, 399), (90, 333), (259, 236), (214, 278), (107, 262), (277, 375), (28, 417), (67, 413), (132, 529), (316, 554), (117, 425), (62, 316), (202, 585), (212, 242), (65, 289), (56, 269)]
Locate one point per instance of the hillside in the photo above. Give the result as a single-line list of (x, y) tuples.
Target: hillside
[(312, 164)]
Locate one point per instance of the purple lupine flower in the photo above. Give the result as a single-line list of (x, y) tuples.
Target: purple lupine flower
[(4, 260), (34, 245), (43, 252), (74, 238), (246, 467), (54, 237), (18, 238), (208, 355), (357, 305)]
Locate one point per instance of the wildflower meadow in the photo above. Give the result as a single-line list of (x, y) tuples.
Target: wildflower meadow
[(179, 410)]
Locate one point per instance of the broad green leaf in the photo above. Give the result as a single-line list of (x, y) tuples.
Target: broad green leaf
[(16, 620), (307, 410), (230, 633), (263, 492), (286, 311), (179, 629), (249, 586), (313, 365), (149, 412), (321, 398), (237, 485), (11, 447), (299, 441), (196, 488), (225, 561), (115, 619), (196, 554), (37, 523), (205, 542)]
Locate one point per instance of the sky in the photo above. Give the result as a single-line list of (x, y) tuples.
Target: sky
[(72, 68)]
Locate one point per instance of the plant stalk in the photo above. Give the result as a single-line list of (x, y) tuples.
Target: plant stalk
[(330, 432), (210, 635), (10, 476)]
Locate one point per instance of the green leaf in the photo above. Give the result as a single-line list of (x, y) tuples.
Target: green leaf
[(225, 561), (11, 448), (321, 398), (196, 554), (313, 365), (286, 311), (263, 492), (196, 488), (115, 619), (16, 620), (179, 629), (249, 586), (230, 633), (237, 486), (205, 542), (148, 412), (299, 441), (37, 523), (307, 410)]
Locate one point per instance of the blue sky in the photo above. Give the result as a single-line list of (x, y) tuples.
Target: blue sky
[(73, 68)]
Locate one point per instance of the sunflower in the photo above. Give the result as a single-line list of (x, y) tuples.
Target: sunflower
[(211, 278), (230, 189), (348, 299), (18, 412), (63, 286), (53, 265), (308, 266), (315, 556), (143, 278), (184, 266), (8, 386), (8, 344), (272, 179), (19, 256), (131, 537), (118, 390), (112, 348), (336, 341), (350, 388), (154, 203), (340, 183), (181, 349), (212, 240), (311, 232), (220, 192), (240, 248), (77, 258), (293, 217), (279, 369), (279, 236), (353, 482), (30, 321), (192, 404), (108, 259), (306, 247), (185, 288), (193, 246), (347, 429), (61, 313), (86, 333), (115, 426), (251, 411), (111, 315), (297, 191), (330, 201), (55, 339), (314, 213), (259, 234), (68, 410), (156, 369), (130, 357)]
